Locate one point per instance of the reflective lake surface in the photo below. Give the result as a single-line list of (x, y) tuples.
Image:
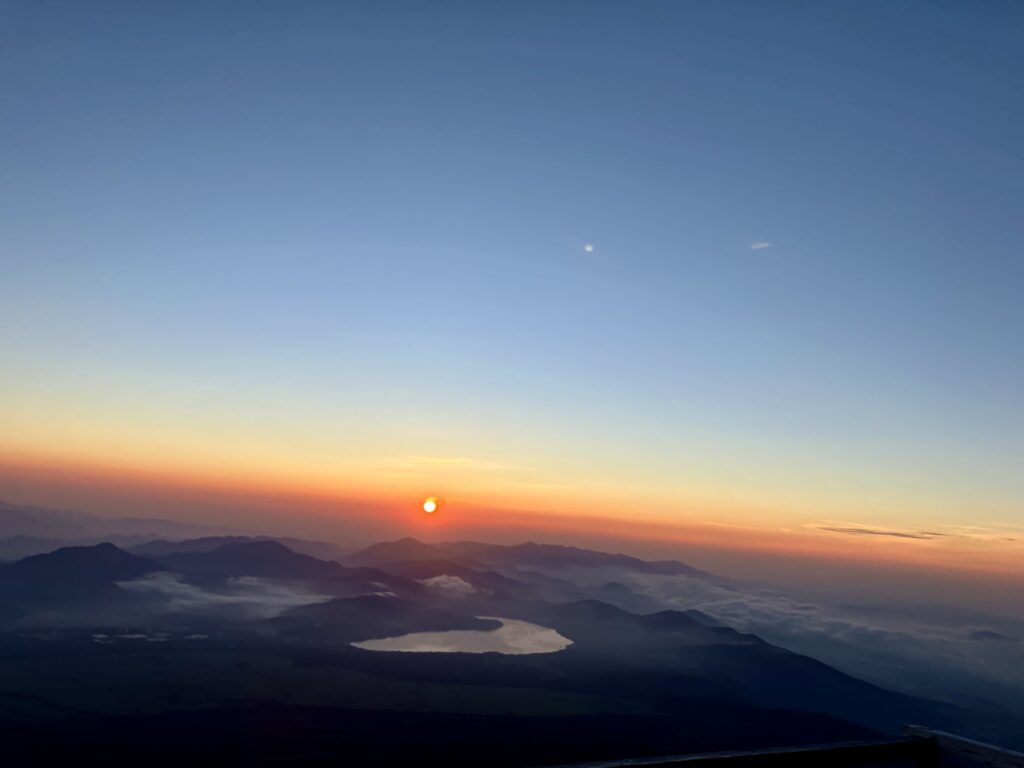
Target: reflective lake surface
[(513, 637)]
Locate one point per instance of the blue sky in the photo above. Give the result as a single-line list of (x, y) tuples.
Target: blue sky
[(361, 226)]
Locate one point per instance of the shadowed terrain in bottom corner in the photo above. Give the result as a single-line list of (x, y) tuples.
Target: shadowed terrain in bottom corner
[(358, 737)]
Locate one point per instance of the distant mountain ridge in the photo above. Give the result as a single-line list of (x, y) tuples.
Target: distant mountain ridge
[(21, 520), (406, 550), (323, 550), (267, 558), (73, 566), (529, 554)]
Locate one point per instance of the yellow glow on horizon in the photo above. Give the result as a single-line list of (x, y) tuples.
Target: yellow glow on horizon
[(499, 491)]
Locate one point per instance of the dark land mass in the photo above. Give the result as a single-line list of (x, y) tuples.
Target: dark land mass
[(91, 666)]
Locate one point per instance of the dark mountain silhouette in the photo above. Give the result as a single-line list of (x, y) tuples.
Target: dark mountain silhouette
[(528, 555), (72, 568), (405, 550), (69, 577), (486, 581), (272, 560), (21, 546), (557, 556), (730, 663), (322, 550), (165, 547), (268, 559)]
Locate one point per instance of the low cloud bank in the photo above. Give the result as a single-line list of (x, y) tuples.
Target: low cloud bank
[(263, 598), (453, 586), (950, 659)]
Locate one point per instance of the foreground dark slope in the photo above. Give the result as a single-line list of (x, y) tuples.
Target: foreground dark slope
[(276, 735), (670, 652)]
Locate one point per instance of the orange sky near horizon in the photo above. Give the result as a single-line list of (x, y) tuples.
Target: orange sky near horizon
[(386, 506)]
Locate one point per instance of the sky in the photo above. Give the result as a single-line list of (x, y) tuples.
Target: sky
[(747, 274)]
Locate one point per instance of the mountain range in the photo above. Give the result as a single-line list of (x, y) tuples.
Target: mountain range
[(210, 624)]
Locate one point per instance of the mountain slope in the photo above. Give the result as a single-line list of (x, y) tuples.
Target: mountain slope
[(560, 557), (528, 555), (72, 568), (272, 560), (322, 550), (405, 550)]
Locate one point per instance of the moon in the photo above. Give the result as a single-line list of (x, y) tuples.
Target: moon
[(589, 247)]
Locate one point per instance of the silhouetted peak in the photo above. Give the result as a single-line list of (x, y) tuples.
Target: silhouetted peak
[(100, 562), (407, 549)]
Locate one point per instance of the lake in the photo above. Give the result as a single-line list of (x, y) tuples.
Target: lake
[(513, 637)]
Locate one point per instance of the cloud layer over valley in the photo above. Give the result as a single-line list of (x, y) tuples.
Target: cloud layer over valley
[(255, 597)]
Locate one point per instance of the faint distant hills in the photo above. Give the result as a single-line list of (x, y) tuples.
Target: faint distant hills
[(528, 570), (530, 554), (26, 531), (535, 555), (52, 524)]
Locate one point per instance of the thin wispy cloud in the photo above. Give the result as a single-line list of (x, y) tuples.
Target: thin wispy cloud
[(877, 532), (760, 245), (988, 533)]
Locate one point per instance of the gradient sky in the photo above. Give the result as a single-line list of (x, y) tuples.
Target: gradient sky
[(339, 248)]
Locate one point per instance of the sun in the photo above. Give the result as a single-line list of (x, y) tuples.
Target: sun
[(431, 504)]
